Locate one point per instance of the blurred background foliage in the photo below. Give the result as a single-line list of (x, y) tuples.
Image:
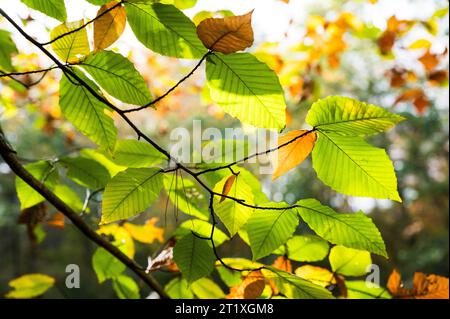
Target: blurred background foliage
[(369, 50)]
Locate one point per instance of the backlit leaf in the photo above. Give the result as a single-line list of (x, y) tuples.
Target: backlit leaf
[(194, 257), (86, 172), (110, 26), (349, 261), (130, 192), (307, 248), (72, 47), (164, 29), (250, 288), (346, 116), (205, 288), (231, 213), (247, 89), (227, 35), (132, 153), (105, 265), (317, 275), (202, 228), (351, 166), (117, 76), (53, 8), (360, 289), (268, 229), (126, 287), (294, 153), (86, 113), (147, 233), (179, 288), (350, 230), (7, 48), (227, 186)]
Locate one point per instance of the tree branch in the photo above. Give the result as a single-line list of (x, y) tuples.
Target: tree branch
[(10, 158)]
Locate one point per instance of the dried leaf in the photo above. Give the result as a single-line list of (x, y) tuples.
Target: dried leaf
[(227, 35), (227, 186), (417, 97), (386, 42), (250, 288), (424, 286), (110, 26), (438, 77), (429, 60), (293, 153), (31, 217), (163, 259)]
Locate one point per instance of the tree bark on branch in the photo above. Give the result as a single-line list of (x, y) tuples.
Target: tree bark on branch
[(10, 158)]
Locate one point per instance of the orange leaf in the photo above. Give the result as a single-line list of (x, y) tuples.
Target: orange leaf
[(293, 153), (429, 60), (386, 42), (227, 186), (250, 288), (283, 263), (438, 77), (424, 286), (227, 35), (31, 217), (109, 27), (57, 221)]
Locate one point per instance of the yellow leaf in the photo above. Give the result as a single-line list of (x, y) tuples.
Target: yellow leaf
[(420, 44), (293, 153), (109, 27), (227, 35), (227, 186), (317, 275), (146, 233), (29, 286), (121, 237), (73, 46)]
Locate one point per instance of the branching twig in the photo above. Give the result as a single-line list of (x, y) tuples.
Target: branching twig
[(172, 88), (84, 25)]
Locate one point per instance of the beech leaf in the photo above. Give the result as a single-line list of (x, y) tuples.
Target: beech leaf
[(110, 26)]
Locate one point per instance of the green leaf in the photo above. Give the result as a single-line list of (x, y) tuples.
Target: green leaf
[(178, 288), (268, 229), (295, 287), (103, 159), (118, 76), (231, 213), (349, 261), (230, 277), (202, 228), (7, 48), (42, 171), (53, 8), (194, 257), (247, 89), (86, 113), (205, 288), (105, 265), (137, 154), (184, 194), (68, 196), (307, 248), (350, 117), (184, 4), (164, 29), (130, 192), (126, 287), (353, 167), (72, 47), (350, 230), (359, 289), (29, 286), (86, 172)]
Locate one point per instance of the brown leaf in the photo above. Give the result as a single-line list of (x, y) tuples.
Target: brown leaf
[(294, 153), (110, 26), (227, 35), (386, 42), (31, 217), (424, 286), (438, 77), (227, 186), (417, 97), (250, 288), (163, 259)]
